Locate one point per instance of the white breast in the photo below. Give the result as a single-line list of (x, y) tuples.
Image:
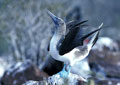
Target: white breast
[(71, 56), (53, 49)]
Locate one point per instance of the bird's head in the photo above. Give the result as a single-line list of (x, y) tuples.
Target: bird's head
[(59, 23)]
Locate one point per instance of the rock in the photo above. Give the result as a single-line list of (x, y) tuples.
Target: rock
[(105, 43), (57, 80), (21, 72), (103, 57), (108, 82), (31, 82), (72, 79), (108, 61)]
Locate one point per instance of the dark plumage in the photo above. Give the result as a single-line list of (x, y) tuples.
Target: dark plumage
[(74, 25), (72, 40)]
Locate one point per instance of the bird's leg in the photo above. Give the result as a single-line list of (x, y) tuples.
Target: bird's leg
[(62, 74), (68, 68), (65, 71)]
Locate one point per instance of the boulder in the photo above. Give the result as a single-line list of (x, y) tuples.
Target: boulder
[(108, 61), (21, 72), (108, 82)]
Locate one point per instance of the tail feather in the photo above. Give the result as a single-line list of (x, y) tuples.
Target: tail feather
[(99, 28), (95, 37)]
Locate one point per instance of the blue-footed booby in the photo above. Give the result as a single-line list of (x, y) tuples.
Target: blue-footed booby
[(67, 47)]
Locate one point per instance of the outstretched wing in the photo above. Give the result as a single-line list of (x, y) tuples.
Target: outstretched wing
[(73, 24), (69, 26), (70, 41), (73, 30)]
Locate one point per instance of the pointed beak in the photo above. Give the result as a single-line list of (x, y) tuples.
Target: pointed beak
[(53, 17)]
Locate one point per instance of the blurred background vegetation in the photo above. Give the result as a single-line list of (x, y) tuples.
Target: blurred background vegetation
[(25, 26)]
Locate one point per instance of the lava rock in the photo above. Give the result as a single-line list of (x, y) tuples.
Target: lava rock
[(21, 72), (106, 43), (31, 82), (108, 82), (107, 60)]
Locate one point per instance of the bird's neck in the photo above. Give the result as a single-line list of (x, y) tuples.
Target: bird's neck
[(55, 39), (58, 35), (53, 45)]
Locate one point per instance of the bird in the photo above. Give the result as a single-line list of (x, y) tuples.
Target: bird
[(52, 66), (66, 46)]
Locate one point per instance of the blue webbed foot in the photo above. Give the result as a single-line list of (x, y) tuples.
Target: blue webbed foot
[(65, 73)]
